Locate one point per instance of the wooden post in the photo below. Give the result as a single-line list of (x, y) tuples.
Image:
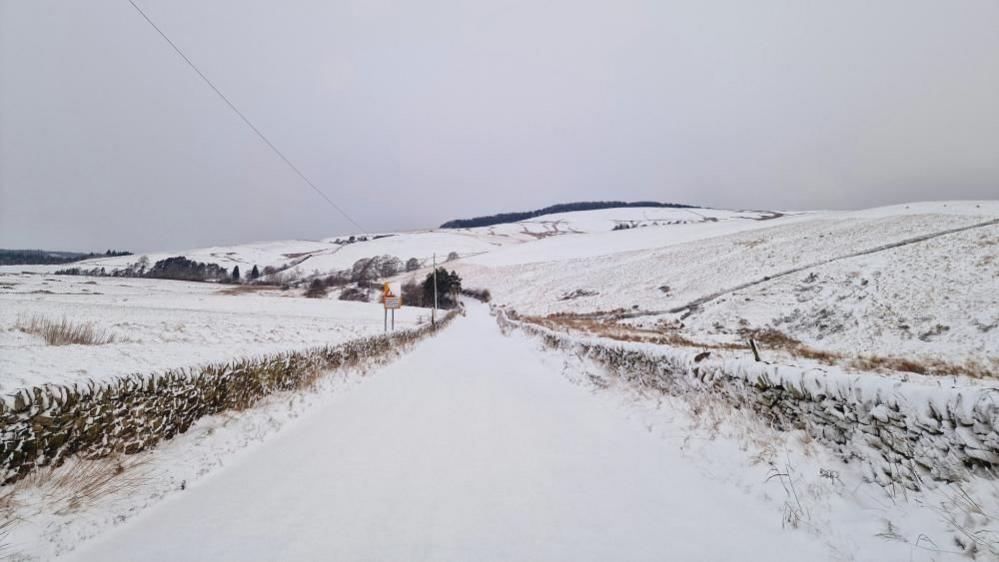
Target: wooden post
[(756, 352), (433, 318)]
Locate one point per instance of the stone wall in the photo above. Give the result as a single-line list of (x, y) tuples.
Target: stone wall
[(43, 426), (907, 430)]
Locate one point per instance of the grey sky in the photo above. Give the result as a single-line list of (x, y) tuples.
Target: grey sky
[(411, 113)]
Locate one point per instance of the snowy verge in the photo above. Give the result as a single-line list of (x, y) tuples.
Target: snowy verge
[(908, 431), (45, 425), (812, 488)]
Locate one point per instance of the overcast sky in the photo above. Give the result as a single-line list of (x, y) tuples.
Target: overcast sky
[(411, 113)]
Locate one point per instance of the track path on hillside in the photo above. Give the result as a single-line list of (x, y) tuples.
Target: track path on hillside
[(694, 304), (473, 446)]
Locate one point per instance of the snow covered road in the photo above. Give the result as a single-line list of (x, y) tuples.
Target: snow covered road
[(473, 446)]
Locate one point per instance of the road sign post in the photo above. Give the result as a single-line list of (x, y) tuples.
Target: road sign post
[(391, 299)]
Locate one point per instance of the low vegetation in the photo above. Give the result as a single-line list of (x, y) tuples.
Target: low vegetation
[(604, 324), (316, 290), (64, 332), (481, 295)]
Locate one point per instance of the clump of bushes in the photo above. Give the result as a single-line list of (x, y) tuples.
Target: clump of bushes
[(482, 295), (412, 294), (354, 294), (64, 332), (316, 290)]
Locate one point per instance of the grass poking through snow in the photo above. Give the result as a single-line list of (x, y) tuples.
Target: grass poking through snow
[(64, 332)]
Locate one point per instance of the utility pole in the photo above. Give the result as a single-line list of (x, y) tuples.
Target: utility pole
[(433, 316)]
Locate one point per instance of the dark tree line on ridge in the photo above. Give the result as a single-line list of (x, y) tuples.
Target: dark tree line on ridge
[(45, 257), (502, 218)]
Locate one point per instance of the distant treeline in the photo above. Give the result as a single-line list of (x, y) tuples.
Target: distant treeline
[(177, 267), (42, 257), (503, 218)]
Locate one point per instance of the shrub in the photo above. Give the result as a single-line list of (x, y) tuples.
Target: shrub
[(354, 294), (316, 290), (412, 264), (482, 295)]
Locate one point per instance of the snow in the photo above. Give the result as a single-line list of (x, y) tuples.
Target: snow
[(937, 298), (469, 448), (900, 301), (161, 325), (479, 446), (476, 446), (605, 241), (326, 255)]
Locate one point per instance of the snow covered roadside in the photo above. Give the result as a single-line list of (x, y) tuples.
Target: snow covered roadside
[(476, 446), (926, 425), (52, 509), (472, 447)]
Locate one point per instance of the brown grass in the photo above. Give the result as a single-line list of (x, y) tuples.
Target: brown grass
[(244, 289), (604, 324), (76, 484), (64, 332)]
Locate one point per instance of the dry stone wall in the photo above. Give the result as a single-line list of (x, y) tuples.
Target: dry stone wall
[(43, 426), (906, 430)]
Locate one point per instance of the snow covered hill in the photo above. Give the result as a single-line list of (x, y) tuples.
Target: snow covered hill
[(332, 254), (918, 282), (492, 444)]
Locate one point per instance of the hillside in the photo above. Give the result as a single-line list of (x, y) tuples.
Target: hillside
[(849, 284), (875, 282), (870, 411), (502, 218)]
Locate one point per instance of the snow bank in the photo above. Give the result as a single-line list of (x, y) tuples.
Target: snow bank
[(908, 430), (44, 425)]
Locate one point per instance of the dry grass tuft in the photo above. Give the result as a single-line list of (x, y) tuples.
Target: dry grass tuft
[(923, 366), (64, 332), (244, 289), (63, 490)]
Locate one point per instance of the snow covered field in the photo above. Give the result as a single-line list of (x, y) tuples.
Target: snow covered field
[(708, 275), (159, 325), (479, 446)]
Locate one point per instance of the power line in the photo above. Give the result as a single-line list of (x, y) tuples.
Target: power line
[(245, 119)]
